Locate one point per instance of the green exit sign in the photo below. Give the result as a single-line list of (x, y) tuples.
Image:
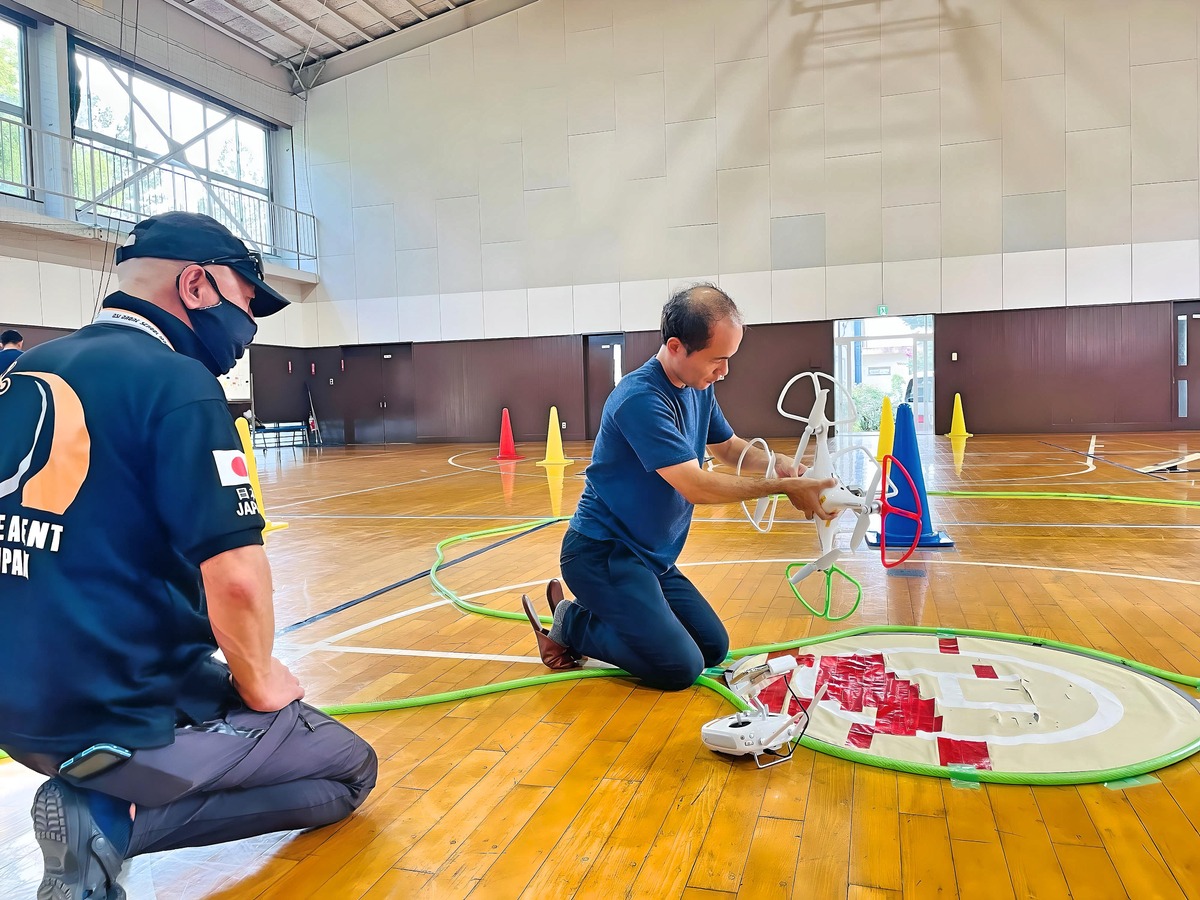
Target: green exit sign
[(882, 309)]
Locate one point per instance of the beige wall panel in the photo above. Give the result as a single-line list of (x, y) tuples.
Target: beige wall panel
[(751, 291), (638, 39), (854, 214), (595, 179), (591, 90), (743, 129), (541, 36), (1097, 53), (416, 221), (1166, 271), (330, 197), (550, 246), (1162, 31), (369, 133), (643, 229), (1099, 275), (691, 154), (498, 77), (798, 161), (966, 13), (798, 242), (912, 287), (972, 282), (689, 67), (641, 130), (506, 313), (691, 251), (420, 318), (1164, 122), (797, 295), (852, 91), (551, 311), (597, 307), (1098, 188), (741, 29), (850, 23), (971, 207), (460, 257), (972, 96), (501, 193), (462, 316), (744, 220), (909, 46), (337, 322), (1168, 211), (795, 55), (327, 132), (911, 153), (544, 136), (1035, 279), (375, 251), (641, 307), (1035, 222), (912, 232), (1034, 135), (417, 272), (1032, 35), (379, 320), (584, 15), (853, 292), (503, 266)]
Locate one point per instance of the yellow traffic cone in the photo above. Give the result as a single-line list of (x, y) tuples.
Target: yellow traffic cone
[(887, 429), (958, 427), (243, 430), (554, 448)]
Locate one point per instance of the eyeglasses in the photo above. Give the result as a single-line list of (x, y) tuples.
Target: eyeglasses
[(252, 256)]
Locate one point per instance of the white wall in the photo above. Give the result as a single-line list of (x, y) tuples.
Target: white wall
[(557, 169)]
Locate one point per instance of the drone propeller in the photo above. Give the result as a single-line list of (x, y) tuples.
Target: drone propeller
[(764, 504), (864, 518)]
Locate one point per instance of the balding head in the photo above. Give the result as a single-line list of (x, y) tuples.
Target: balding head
[(691, 313)]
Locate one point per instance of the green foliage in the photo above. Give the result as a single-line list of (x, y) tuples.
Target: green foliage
[(868, 400)]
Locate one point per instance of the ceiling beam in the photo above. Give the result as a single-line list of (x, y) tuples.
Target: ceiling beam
[(434, 29)]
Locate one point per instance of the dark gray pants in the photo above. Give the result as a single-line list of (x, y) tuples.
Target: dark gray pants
[(247, 774)]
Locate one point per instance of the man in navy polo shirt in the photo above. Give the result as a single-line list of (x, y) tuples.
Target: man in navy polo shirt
[(130, 550), (633, 607), (12, 344)]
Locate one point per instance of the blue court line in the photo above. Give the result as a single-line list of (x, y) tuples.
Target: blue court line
[(409, 580)]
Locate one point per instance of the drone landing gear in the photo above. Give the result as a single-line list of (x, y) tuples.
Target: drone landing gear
[(827, 611)]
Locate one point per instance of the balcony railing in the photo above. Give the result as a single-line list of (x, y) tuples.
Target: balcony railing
[(103, 187)]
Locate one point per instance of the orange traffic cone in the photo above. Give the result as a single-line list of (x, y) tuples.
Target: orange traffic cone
[(508, 449)]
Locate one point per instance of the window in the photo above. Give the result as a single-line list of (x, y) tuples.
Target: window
[(144, 147), (14, 142)]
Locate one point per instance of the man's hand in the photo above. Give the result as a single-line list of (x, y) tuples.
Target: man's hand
[(785, 469), (272, 693), (805, 494)]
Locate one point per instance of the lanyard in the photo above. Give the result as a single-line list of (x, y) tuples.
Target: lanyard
[(115, 316)]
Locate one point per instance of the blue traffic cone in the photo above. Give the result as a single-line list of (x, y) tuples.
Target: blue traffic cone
[(900, 529)]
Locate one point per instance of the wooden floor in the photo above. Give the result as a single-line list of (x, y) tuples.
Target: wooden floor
[(601, 788)]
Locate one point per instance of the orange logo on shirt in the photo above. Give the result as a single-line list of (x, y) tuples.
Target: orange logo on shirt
[(54, 486)]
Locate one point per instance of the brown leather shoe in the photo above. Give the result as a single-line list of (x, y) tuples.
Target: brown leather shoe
[(554, 594), (554, 654)]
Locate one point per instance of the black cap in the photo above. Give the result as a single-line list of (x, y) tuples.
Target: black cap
[(197, 238)]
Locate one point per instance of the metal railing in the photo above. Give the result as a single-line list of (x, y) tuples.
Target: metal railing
[(105, 188)]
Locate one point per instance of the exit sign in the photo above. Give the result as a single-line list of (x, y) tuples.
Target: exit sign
[(882, 310)]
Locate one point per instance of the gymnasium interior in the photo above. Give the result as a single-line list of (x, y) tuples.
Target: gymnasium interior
[(978, 220)]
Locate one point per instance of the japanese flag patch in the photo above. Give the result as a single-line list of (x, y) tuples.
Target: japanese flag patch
[(231, 467)]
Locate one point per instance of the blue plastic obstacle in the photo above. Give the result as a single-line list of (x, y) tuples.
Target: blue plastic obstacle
[(900, 530)]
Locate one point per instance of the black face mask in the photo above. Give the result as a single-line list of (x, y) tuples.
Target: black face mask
[(224, 330)]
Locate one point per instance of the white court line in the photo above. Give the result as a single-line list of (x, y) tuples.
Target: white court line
[(430, 654), (380, 487), (495, 467)]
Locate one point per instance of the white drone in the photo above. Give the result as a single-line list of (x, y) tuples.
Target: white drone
[(758, 732), (874, 501)]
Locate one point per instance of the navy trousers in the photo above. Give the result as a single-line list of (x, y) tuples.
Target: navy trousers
[(248, 773), (656, 627)]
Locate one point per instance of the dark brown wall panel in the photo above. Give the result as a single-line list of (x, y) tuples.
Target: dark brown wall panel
[(277, 376), (36, 334), (768, 358), (1056, 370), (461, 387)]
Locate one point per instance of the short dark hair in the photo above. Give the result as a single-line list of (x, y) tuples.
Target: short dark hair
[(12, 336), (691, 312)]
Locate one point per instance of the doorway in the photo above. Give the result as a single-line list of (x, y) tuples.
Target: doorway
[(380, 395), (1185, 404), (603, 366), (887, 356)]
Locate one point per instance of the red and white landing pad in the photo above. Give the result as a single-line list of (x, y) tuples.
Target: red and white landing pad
[(988, 704)]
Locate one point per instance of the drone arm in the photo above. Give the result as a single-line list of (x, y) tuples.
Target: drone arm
[(755, 460)]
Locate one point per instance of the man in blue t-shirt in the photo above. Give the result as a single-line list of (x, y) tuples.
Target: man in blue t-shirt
[(130, 550), (633, 607)]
